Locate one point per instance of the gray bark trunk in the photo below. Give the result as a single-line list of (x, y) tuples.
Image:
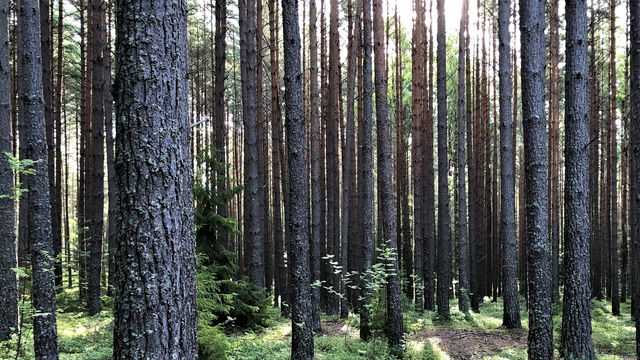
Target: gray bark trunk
[(511, 310), (30, 92), (444, 218), (576, 340), (387, 196), (635, 161), (8, 251), (532, 26), (298, 221), (155, 308)]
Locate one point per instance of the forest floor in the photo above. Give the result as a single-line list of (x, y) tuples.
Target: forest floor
[(474, 336)]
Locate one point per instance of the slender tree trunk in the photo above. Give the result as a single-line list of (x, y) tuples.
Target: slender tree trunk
[(385, 172), (316, 135), (251, 222), (298, 222), (511, 311), (444, 230), (428, 200), (532, 27), (333, 171), (32, 116), (366, 190), (219, 109), (613, 167), (155, 256), (417, 99), (95, 177), (576, 340), (56, 201), (8, 251), (634, 15)]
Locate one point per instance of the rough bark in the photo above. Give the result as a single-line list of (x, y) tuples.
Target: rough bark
[(511, 310), (298, 222), (635, 161), (219, 107), (316, 135), (155, 308), (333, 170), (417, 99), (251, 221), (461, 161), (532, 25), (30, 92), (613, 168), (8, 251), (95, 168), (385, 172), (444, 219), (576, 340), (428, 185), (365, 188)]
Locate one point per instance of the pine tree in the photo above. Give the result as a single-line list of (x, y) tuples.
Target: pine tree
[(576, 340), (298, 222), (532, 26), (32, 118), (8, 279), (155, 256), (511, 311)]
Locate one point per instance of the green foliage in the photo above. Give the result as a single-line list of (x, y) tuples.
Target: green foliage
[(20, 167)]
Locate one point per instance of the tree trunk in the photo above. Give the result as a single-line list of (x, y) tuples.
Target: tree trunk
[(155, 255), (444, 219), (428, 200), (56, 200), (613, 168), (635, 162), (95, 176), (298, 222), (532, 26), (365, 188), (511, 310), (576, 340), (8, 279), (316, 135), (251, 221), (385, 172), (417, 99), (219, 109), (32, 116)]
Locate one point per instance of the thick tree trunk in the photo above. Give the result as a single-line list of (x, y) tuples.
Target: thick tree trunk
[(444, 219), (155, 254), (511, 310), (298, 222), (532, 27), (365, 188), (32, 116), (8, 251), (385, 172), (576, 340)]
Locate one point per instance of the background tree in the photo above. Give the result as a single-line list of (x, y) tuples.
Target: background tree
[(444, 219)]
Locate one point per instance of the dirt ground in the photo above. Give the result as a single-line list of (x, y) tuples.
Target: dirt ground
[(473, 344)]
